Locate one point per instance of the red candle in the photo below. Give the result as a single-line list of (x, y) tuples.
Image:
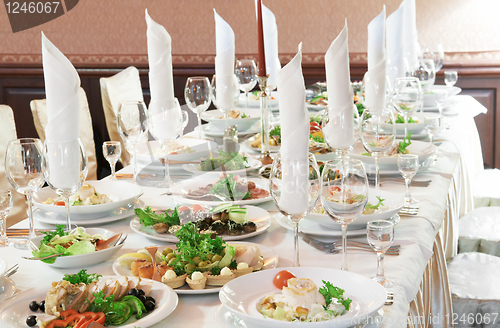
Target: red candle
[(260, 28)]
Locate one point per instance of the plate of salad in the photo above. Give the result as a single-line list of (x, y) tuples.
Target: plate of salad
[(243, 118), (77, 247), (233, 162), (415, 123)]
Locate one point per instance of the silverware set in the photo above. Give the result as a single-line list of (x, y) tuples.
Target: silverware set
[(409, 210), (12, 232), (12, 270), (414, 183), (390, 298)]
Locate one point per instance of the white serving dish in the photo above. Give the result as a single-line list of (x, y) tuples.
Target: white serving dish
[(151, 152), (216, 118), (429, 98)]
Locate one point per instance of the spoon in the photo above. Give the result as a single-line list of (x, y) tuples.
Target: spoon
[(152, 251)]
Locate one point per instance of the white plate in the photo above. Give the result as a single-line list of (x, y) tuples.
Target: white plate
[(216, 118), (82, 260), (254, 101), (253, 164), (313, 228), (211, 130), (272, 149), (15, 315), (241, 296), (412, 127), (429, 99), (188, 185), (393, 201), (315, 107), (7, 288), (120, 192), (118, 214), (415, 136), (3, 267), (256, 214), (270, 262), (150, 153), (420, 148)]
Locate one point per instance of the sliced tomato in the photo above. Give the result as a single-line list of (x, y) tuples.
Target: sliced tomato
[(314, 127), (281, 279), (59, 203)]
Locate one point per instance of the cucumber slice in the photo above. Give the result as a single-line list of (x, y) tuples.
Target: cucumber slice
[(221, 208), (238, 215)]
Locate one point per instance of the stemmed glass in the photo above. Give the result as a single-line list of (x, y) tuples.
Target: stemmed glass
[(24, 170), (377, 136), (246, 72), (65, 169), (344, 194), (6, 203), (432, 123), (295, 187), (112, 151), (224, 104), (408, 167), (425, 72), (380, 235), (435, 53), (450, 78), (198, 96), (165, 124), (407, 97), (133, 127), (342, 132)]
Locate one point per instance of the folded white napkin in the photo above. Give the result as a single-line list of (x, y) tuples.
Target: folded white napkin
[(339, 132), (161, 81), (375, 81), (294, 136), (409, 30), (395, 63), (224, 63), (270, 28)]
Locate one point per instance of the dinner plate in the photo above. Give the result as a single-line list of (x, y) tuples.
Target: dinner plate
[(429, 98), (151, 152), (270, 262), (116, 215), (14, 316), (253, 164), (212, 131), (216, 119), (81, 260), (3, 267), (121, 193), (7, 288), (186, 186), (248, 142), (254, 101), (259, 216), (241, 296)]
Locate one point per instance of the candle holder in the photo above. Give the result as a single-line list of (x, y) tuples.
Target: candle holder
[(265, 157)]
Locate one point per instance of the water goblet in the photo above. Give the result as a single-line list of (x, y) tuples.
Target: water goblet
[(246, 72), (225, 94), (407, 97), (294, 186), (65, 169), (425, 72), (25, 172), (198, 96), (450, 78), (133, 127), (6, 203), (408, 167), (344, 194), (432, 123), (112, 151), (435, 53), (380, 235)]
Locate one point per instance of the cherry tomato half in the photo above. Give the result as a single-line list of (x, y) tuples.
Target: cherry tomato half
[(281, 279), (60, 203)]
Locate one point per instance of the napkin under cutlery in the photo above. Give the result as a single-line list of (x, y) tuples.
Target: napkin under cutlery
[(224, 62), (270, 28)]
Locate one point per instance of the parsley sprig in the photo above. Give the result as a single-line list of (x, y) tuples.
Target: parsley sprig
[(82, 277), (375, 207), (227, 187), (148, 217), (329, 292), (49, 235), (405, 143)]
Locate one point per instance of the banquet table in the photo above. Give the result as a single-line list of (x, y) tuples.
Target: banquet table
[(421, 294)]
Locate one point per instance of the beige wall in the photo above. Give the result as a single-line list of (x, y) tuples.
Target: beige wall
[(117, 27)]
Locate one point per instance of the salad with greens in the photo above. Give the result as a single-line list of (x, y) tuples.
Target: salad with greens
[(229, 161)]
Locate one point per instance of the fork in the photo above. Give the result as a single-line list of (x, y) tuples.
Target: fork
[(338, 243), (337, 249), (221, 198), (414, 183), (12, 270)]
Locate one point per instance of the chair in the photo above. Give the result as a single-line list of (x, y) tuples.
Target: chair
[(479, 231), (124, 86), (39, 112), (7, 133)]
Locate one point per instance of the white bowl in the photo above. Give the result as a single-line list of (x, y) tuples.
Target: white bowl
[(121, 193), (82, 260), (414, 128), (216, 118), (241, 296), (151, 152), (429, 98)]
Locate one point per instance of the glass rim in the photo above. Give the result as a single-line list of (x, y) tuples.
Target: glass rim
[(380, 223), (408, 156), (25, 140), (197, 78)]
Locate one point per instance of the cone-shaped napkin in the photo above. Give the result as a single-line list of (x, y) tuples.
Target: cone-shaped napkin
[(273, 64), (409, 30), (294, 136), (339, 132), (224, 63), (161, 81), (395, 63), (375, 77)]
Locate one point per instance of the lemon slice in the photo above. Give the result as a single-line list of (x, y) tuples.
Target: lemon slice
[(126, 259), (145, 252)]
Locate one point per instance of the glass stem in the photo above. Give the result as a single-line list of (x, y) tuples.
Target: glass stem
[(406, 125), (226, 119), (31, 226), (377, 172), (113, 171), (431, 135), (134, 151), (167, 179), (3, 231), (246, 96), (296, 244), (344, 248), (407, 194), (199, 126), (380, 266), (68, 219)]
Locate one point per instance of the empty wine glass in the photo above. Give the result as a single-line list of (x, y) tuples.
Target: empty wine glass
[(133, 127), (24, 170), (225, 94), (185, 122), (65, 169), (198, 96), (450, 78), (6, 203), (380, 235), (377, 136), (432, 123), (407, 97), (425, 72), (344, 194), (246, 72), (294, 186), (435, 53), (112, 151), (408, 167)]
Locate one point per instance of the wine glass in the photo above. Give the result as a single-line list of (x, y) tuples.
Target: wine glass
[(295, 186), (377, 136), (225, 94), (435, 53), (407, 97), (380, 235), (344, 194), (432, 123), (6, 203), (185, 122), (246, 72), (112, 151), (341, 132), (65, 169), (408, 167), (198, 96), (450, 78), (425, 72), (133, 127), (24, 170), (165, 124)]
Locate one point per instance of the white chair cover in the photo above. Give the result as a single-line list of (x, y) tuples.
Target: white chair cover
[(39, 112)]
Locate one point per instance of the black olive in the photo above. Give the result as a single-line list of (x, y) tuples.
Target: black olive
[(140, 292), (142, 298), (31, 320), (34, 306), (149, 298), (134, 292), (150, 306), (42, 306)]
